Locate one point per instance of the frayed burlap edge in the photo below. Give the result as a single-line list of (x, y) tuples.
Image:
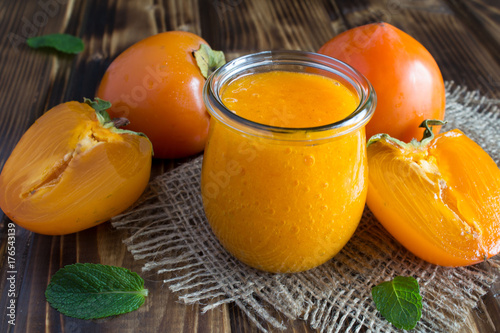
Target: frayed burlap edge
[(169, 232)]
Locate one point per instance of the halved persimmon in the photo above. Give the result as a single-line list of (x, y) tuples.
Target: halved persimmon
[(440, 198), (72, 170)]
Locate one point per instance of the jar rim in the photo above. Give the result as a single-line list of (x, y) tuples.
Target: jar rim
[(359, 117)]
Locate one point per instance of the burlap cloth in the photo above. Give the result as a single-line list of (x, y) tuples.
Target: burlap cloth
[(169, 233)]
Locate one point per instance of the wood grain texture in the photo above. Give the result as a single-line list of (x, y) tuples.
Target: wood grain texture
[(480, 19), (462, 58), (463, 36)]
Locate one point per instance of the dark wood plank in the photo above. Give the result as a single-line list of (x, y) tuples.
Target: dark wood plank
[(26, 81), (461, 56), (481, 19), (241, 27), (29, 73), (463, 36)]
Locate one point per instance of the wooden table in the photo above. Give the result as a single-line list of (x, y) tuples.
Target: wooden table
[(463, 36)]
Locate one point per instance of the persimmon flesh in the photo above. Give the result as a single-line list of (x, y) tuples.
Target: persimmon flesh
[(71, 171), (439, 198)]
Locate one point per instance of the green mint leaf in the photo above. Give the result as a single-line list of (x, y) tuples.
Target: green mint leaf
[(208, 60), (61, 42), (91, 291), (399, 301)]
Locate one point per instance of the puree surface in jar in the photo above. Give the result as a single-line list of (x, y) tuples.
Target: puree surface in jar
[(280, 205)]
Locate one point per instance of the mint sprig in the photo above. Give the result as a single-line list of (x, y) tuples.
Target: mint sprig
[(399, 301), (61, 42), (91, 291)]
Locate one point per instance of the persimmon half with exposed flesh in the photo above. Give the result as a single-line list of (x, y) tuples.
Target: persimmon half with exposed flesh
[(440, 198), (73, 169)]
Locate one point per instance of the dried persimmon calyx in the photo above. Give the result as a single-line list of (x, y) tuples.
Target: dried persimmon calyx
[(101, 106), (427, 137)]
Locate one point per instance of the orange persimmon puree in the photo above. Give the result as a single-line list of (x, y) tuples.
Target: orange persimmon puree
[(280, 205)]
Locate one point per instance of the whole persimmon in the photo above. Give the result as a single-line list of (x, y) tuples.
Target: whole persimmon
[(73, 169), (157, 84), (440, 197), (405, 76)]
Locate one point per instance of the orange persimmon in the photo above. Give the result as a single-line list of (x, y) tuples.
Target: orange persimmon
[(405, 76), (72, 170), (157, 84), (440, 198)]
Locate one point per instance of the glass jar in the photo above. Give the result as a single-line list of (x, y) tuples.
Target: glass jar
[(285, 199)]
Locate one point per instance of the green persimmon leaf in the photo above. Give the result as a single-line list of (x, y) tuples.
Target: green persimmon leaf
[(91, 291), (99, 105), (61, 42), (399, 301), (208, 60)]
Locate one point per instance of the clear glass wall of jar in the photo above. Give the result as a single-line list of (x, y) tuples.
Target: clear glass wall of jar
[(285, 199)]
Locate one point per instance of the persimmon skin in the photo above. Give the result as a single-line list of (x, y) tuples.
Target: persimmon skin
[(157, 85), (68, 173), (405, 76), (440, 201)]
